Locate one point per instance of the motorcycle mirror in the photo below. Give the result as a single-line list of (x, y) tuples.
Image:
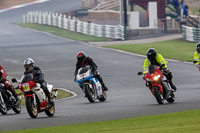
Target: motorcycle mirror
[(14, 80), (195, 62), (140, 73)]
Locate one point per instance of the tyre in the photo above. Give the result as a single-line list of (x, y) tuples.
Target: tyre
[(51, 110), (90, 94), (171, 99), (158, 95), (17, 108), (3, 107), (103, 97), (31, 108)]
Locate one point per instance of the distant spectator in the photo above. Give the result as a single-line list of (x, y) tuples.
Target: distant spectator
[(177, 6), (185, 10)]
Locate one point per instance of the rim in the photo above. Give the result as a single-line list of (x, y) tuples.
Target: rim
[(34, 109), (91, 92), (104, 94), (52, 109)]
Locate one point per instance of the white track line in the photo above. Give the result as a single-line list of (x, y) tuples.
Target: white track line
[(73, 94)]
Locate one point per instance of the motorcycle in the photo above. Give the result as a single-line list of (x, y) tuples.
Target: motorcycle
[(8, 101), (159, 84), (90, 85), (35, 98)]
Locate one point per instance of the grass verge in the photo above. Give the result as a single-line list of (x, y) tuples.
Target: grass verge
[(180, 122), (61, 94), (194, 10), (65, 33), (172, 49)]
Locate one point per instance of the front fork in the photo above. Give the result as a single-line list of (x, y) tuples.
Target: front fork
[(151, 86), (33, 97)]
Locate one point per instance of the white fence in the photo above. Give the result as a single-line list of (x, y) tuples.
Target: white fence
[(191, 34), (61, 21)]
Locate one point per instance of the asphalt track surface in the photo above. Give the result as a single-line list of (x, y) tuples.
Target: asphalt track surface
[(127, 96)]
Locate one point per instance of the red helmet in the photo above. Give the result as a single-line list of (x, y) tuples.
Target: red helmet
[(81, 56)]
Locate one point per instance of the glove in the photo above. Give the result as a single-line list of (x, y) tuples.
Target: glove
[(165, 70), (75, 79)]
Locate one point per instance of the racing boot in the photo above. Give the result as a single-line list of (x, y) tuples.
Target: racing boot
[(172, 86), (46, 91), (102, 83), (104, 87)]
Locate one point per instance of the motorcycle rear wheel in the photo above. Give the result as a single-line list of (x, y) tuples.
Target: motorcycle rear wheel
[(51, 110), (158, 95), (17, 108), (3, 107), (90, 94), (171, 99), (31, 108), (103, 97)]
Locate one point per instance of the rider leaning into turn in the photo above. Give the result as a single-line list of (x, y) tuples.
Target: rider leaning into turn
[(197, 56), (6, 83), (38, 76), (153, 58), (82, 61)]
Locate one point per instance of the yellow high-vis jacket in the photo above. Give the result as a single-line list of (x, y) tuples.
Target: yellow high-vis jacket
[(159, 59), (196, 57)]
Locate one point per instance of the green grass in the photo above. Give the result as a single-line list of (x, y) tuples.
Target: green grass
[(194, 10), (172, 49), (61, 94), (65, 33), (181, 122)]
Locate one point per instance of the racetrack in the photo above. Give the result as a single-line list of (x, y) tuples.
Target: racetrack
[(127, 96)]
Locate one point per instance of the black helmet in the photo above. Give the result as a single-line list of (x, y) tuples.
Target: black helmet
[(198, 47), (151, 54), (81, 56)]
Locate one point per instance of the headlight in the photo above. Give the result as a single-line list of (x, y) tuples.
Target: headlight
[(156, 77)]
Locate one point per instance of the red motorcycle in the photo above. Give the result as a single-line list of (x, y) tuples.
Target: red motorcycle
[(35, 98), (159, 84)]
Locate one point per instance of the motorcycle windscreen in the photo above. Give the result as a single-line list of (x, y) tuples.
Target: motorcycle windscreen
[(152, 69), (83, 70), (26, 78)]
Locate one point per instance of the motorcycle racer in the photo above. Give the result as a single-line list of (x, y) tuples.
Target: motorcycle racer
[(153, 58), (196, 55), (38, 76), (82, 61), (5, 83)]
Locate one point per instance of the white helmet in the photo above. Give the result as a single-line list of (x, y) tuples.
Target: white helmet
[(28, 64), (29, 61)]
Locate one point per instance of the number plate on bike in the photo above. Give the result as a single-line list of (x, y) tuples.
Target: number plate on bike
[(26, 86)]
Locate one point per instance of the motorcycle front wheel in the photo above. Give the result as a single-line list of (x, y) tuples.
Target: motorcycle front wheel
[(3, 107), (158, 95), (31, 108), (90, 94)]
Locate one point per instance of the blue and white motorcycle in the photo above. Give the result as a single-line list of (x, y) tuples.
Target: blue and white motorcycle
[(90, 85)]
